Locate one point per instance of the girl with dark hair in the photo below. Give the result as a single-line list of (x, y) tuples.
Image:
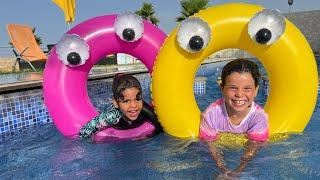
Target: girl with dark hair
[(127, 114), (236, 112)]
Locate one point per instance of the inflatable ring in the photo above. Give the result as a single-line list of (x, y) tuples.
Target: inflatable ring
[(65, 80), (289, 62)]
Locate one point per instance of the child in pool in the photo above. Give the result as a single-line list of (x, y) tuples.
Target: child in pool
[(128, 110), (236, 112)]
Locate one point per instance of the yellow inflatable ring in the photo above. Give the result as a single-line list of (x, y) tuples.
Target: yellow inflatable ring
[(289, 62)]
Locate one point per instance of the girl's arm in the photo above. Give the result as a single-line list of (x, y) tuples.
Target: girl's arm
[(258, 135), (217, 157), (105, 119), (251, 149)]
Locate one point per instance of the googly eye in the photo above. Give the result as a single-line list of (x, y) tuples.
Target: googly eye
[(194, 34), (267, 26), (72, 50), (129, 27)]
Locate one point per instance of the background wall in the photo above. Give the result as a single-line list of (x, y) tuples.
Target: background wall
[(309, 24)]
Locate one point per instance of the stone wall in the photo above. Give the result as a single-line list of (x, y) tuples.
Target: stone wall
[(309, 24)]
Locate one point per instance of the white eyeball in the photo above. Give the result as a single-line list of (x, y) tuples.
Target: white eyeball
[(129, 27), (72, 50), (194, 34), (266, 26)]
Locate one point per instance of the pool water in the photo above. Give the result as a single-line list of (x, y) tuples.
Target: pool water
[(43, 153)]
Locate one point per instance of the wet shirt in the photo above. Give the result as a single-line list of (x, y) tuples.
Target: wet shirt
[(215, 119), (125, 124), (112, 117)]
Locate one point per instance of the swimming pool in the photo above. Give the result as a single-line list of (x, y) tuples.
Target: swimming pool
[(43, 153)]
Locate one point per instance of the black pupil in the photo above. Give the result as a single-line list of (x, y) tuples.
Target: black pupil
[(128, 34), (196, 43), (74, 58), (263, 36)]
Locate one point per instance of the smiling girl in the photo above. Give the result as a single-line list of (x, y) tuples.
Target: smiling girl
[(127, 117), (236, 112)]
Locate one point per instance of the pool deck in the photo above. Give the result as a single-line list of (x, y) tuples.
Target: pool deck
[(33, 80)]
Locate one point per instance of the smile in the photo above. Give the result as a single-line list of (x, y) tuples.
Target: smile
[(239, 102), (133, 112)]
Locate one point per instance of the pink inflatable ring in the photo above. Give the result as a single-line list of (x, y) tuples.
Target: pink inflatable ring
[(66, 71)]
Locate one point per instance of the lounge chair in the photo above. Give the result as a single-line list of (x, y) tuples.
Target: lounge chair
[(26, 48)]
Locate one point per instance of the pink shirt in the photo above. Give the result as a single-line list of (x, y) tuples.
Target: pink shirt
[(215, 119)]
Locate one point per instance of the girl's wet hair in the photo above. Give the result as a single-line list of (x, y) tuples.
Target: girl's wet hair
[(122, 82), (241, 66)]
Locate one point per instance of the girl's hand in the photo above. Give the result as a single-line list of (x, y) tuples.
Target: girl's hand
[(85, 132), (228, 175)]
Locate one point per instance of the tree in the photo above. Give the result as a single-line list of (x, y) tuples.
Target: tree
[(38, 38), (147, 13), (190, 7)]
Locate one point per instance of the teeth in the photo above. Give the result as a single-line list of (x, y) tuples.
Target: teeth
[(134, 111), (239, 102)]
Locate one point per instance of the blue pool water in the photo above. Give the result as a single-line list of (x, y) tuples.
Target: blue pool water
[(43, 153)]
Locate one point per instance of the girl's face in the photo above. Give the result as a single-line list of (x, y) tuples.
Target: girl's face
[(239, 92), (131, 105)]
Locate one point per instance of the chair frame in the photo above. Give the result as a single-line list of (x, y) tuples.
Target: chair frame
[(20, 56)]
